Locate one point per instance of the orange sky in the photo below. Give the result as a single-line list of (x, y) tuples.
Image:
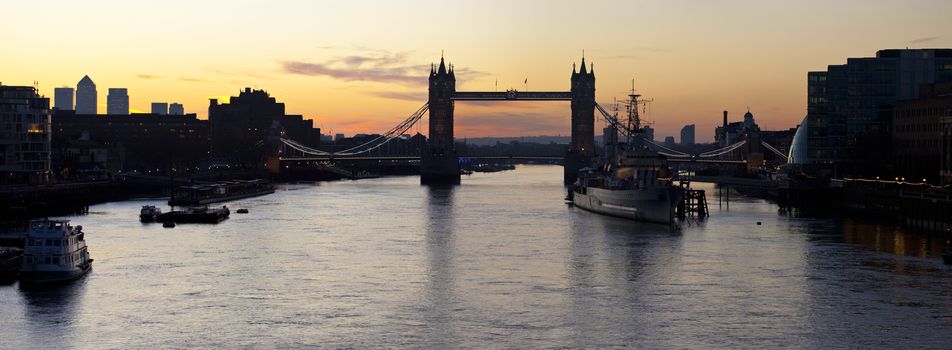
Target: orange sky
[(360, 66)]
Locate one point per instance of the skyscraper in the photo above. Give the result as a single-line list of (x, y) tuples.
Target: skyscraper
[(160, 108), (176, 109), (687, 135), (63, 98), (86, 96), (117, 102), (649, 132)]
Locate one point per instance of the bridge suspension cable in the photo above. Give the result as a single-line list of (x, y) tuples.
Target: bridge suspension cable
[(368, 146), (722, 151), (613, 120), (774, 150)]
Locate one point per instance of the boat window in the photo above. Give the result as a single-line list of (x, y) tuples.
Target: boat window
[(57, 242), (47, 260)]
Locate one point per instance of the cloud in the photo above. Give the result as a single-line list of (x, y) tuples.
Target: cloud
[(923, 40), (192, 80), (373, 66), (241, 73), (402, 95), (397, 75), (148, 76)]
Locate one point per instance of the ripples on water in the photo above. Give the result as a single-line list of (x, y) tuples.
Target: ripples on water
[(499, 262)]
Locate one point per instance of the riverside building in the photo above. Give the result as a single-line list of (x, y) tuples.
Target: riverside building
[(24, 135)]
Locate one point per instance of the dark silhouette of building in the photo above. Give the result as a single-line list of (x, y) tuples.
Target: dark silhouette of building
[(86, 100), (63, 98), (176, 108), (141, 142), (729, 133), (117, 101), (24, 135), (246, 130), (649, 132), (160, 108), (849, 106), (687, 135), (920, 131)]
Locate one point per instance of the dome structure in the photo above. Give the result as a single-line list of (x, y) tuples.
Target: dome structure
[(798, 148)]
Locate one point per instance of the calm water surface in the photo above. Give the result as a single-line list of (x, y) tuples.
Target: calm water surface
[(499, 262)]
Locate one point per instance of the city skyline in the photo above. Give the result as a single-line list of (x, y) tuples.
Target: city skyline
[(358, 72)]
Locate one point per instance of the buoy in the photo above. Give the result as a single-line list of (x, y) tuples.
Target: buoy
[(758, 222), (242, 211)]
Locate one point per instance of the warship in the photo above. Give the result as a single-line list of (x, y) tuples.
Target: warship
[(633, 180)]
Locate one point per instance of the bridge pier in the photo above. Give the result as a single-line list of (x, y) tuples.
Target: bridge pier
[(439, 169), (573, 163)]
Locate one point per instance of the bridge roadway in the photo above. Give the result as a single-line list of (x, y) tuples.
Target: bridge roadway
[(321, 158), (512, 95), (415, 158), (673, 160)]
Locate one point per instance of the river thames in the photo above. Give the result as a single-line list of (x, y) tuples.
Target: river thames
[(498, 262)]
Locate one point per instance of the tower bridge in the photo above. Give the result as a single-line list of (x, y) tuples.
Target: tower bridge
[(439, 161)]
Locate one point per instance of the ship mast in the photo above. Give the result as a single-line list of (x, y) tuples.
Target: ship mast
[(634, 119)]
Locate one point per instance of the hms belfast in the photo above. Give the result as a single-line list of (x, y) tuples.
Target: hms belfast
[(633, 181)]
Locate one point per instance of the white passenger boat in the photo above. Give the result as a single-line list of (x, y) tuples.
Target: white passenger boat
[(54, 251)]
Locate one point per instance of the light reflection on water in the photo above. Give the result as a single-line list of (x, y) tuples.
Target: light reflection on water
[(500, 261)]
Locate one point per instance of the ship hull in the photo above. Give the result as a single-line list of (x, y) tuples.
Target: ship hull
[(655, 205), (48, 277)]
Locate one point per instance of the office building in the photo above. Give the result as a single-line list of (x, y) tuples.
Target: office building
[(920, 133), (63, 98), (849, 106), (176, 109), (24, 135), (669, 140), (160, 108), (117, 101), (687, 135), (86, 96), (338, 137)]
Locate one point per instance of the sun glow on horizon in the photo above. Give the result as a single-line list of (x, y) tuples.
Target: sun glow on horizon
[(352, 70)]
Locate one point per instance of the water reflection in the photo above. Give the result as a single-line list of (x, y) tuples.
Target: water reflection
[(893, 239), (51, 312), (439, 294), (497, 262)]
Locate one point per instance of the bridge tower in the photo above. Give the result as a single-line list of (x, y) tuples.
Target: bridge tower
[(582, 148), (439, 163)]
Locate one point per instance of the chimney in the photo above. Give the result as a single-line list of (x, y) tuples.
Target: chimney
[(725, 120)]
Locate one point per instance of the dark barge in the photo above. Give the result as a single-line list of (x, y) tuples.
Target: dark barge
[(202, 194)]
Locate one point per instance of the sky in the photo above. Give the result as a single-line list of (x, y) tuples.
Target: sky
[(361, 66)]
